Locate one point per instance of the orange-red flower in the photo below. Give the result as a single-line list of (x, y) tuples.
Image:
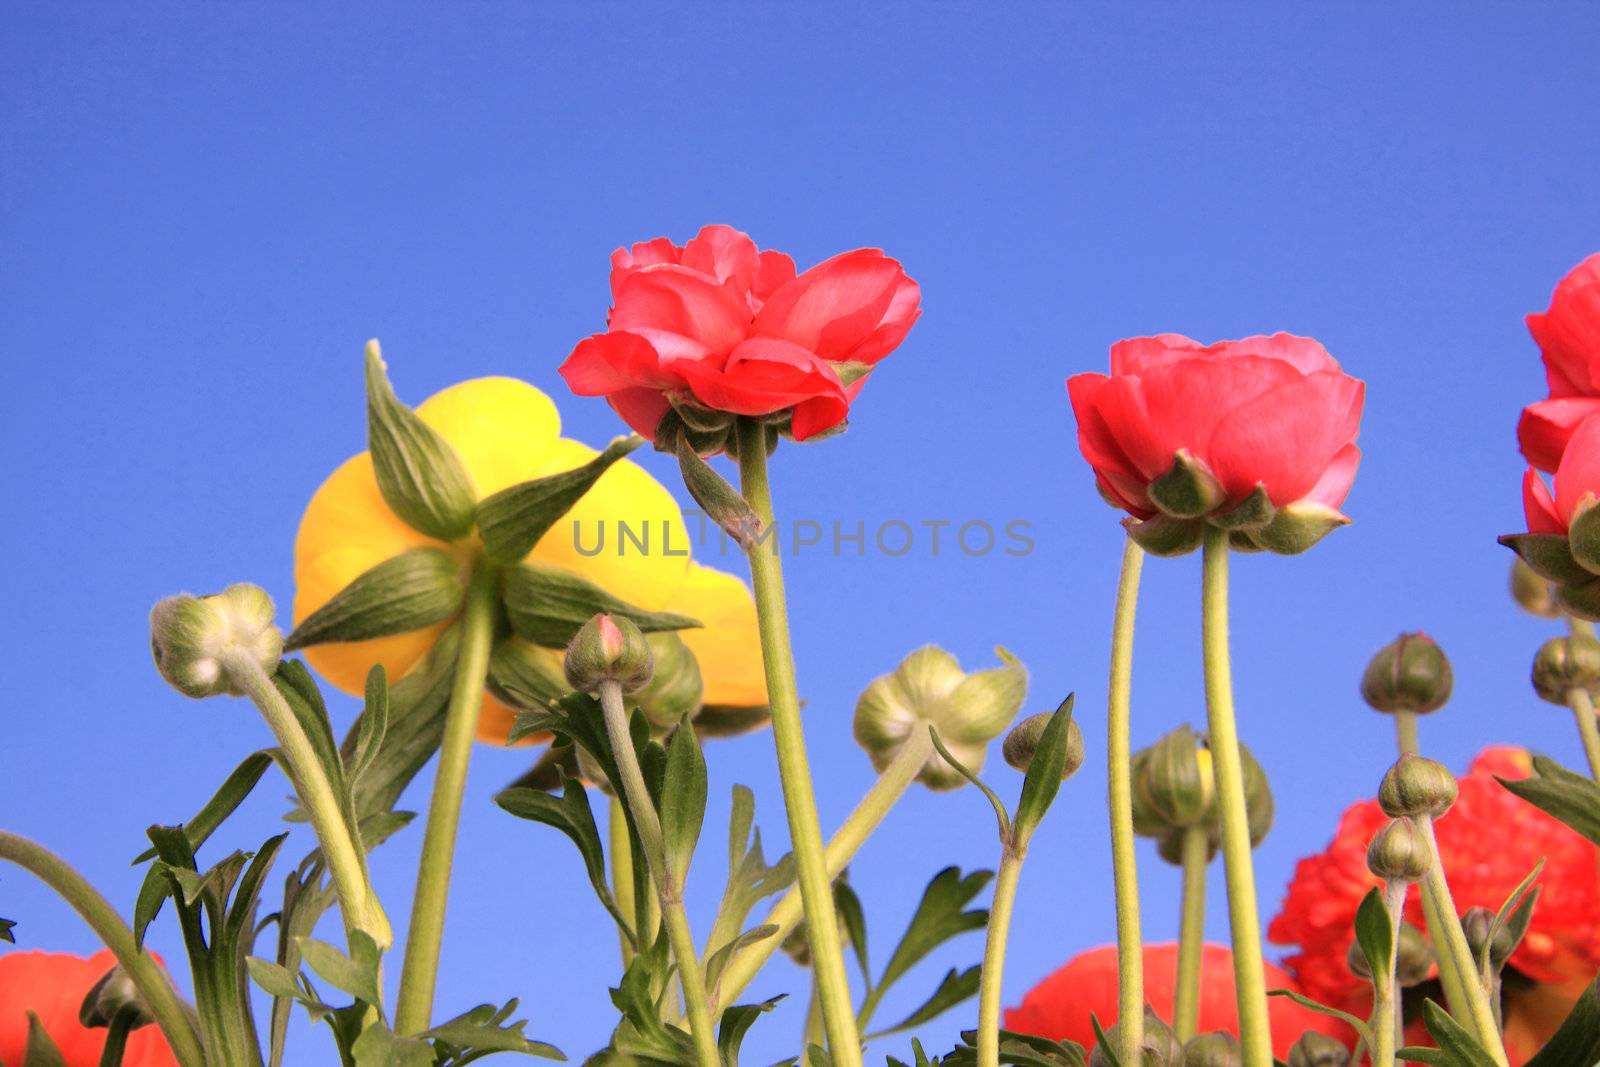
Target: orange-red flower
[(1060, 1006), (1488, 843), (1569, 340), (52, 986)]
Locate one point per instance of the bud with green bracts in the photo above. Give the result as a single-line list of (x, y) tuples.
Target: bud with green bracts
[(1023, 742), (609, 648), (1409, 674), (1564, 664), (1535, 593), (1217, 1049), (1161, 1046), (1399, 852), (1416, 786), (190, 635), (1318, 1050)]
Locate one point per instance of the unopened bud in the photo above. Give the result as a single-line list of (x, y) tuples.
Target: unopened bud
[(1409, 674), (1161, 1046), (1023, 741), (609, 648), (111, 996), (191, 635), (1413, 957), (1318, 1050), (1219, 1049), (1174, 786), (675, 687), (1416, 786), (1476, 924), (1260, 808), (1564, 664), (1399, 852), (1534, 592)]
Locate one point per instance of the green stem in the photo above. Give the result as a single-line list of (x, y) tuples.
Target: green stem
[(842, 847), (669, 882), (1255, 1036), (1450, 980), (812, 1034), (414, 1008), (1196, 849), (1479, 1014), (1405, 732), (347, 862), (146, 974), (1583, 711), (117, 1031), (994, 953), (799, 799), (1119, 759), (622, 872), (1385, 1019)]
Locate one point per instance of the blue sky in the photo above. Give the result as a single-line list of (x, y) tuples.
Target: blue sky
[(209, 208)]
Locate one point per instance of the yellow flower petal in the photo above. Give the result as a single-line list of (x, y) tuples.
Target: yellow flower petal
[(729, 645), (502, 428)]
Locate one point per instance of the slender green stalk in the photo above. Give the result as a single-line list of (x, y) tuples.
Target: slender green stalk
[(799, 799), (414, 1008), (146, 974), (117, 1031), (1405, 732), (994, 953), (669, 882), (1385, 1019), (1119, 759), (1196, 850), (621, 849), (1479, 1016), (1255, 1036), (812, 1034), (1583, 711), (1450, 980), (842, 847)]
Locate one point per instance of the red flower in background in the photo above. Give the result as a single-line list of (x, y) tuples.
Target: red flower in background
[(52, 986), (1488, 842), (1568, 335), (1060, 1007), (1270, 411), (721, 325)]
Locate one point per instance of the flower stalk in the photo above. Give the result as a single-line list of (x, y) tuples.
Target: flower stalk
[(1195, 853), (994, 951), (1119, 759), (1385, 1020), (1583, 711)]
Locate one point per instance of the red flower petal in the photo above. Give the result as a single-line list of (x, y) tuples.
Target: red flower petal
[(641, 409), (838, 305), (764, 375), (1579, 473), (1335, 482), (1286, 438), (681, 301), (607, 362), (1568, 334), (723, 253), (1546, 426), (1539, 507), (53, 986)]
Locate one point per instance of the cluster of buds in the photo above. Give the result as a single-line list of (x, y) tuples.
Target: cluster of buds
[(1174, 789), (192, 636), (1409, 675)]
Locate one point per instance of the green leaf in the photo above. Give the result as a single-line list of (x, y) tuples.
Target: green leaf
[(736, 1022), (938, 918), (1572, 798), (377, 1046), (403, 593), (357, 976), (548, 605), (817, 1056), (717, 961), (683, 800), (241, 912), (40, 1050), (413, 730), (642, 1032), (1043, 779), (1000, 814), (1356, 1024), (572, 815), (278, 981), (1023, 1050), (1514, 917), (1375, 935), (1428, 1055), (226, 800), (1104, 1043), (954, 988), (513, 520), (419, 474), (1578, 1038), (300, 691), (486, 1029), (6, 928), (370, 727), (1453, 1038), (853, 921), (719, 500)]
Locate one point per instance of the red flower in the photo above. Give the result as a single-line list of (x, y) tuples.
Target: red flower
[(1568, 336), (1577, 478), (1270, 411), (1488, 842), (1059, 1007), (719, 325), (52, 986)]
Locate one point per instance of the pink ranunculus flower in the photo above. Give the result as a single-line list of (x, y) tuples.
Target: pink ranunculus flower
[(1568, 335), (717, 329), (1257, 436)]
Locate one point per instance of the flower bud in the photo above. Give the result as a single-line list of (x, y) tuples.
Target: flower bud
[(1416, 786), (1023, 741), (189, 635), (1259, 804), (1161, 1046), (1564, 664), (675, 688), (1218, 1049), (112, 995), (1476, 924), (1318, 1050), (1399, 852), (1534, 592), (1408, 674), (1174, 786), (1413, 957), (929, 688), (609, 648)]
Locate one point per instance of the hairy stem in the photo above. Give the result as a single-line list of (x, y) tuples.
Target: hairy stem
[(1583, 712), (1196, 849), (1479, 1016), (994, 953), (1119, 759)]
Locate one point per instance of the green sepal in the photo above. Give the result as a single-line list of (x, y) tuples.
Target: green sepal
[(683, 801), (419, 474), (1168, 790), (851, 371), (697, 417), (1547, 555), (407, 592), (730, 720), (40, 1050), (1043, 779), (1163, 536), (513, 520), (1583, 534), (1297, 527), (1580, 598), (521, 676), (549, 605), (1375, 936), (717, 498), (1251, 513), (1187, 490)]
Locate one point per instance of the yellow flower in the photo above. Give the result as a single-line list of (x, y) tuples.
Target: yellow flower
[(506, 432)]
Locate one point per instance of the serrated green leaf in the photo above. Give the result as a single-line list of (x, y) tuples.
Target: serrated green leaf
[(1569, 797), (716, 962), (276, 980), (513, 520), (954, 988), (241, 912), (484, 1030), (939, 918), (234, 789), (1023, 1050), (1453, 1038), (736, 1022), (1043, 779), (1359, 1025), (40, 1050), (377, 1046), (548, 605), (572, 815), (683, 800), (1375, 935), (419, 475)]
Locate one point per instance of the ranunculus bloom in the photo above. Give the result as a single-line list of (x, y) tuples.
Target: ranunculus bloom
[(1060, 1006), (52, 986), (1568, 335), (1577, 477), (1275, 412), (725, 327), (1488, 842), (506, 432)]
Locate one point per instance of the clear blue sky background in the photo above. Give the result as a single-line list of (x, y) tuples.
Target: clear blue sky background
[(208, 208)]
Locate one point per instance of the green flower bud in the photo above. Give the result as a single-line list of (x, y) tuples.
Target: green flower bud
[(1413, 958), (609, 648), (1416, 786), (1318, 1050), (1219, 1049), (1169, 845), (1409, 674), (189, 636), (1173, 785), (1399, 852), (675, 688), (1023, 741), (112, 995), (929, 688), (1161, 1046), (1564, 664), (1476, 924), (1535, 593), (1259, 804)]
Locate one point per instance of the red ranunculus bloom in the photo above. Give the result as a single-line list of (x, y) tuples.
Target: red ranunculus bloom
[(1275, 412), (1060, 1006), (52, 986), (719, 325), (1569, 338), (1577, 478), (1488, 842)]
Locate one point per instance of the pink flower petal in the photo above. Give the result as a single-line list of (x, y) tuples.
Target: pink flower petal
[(681, 301), (1579, 473), (774, 272), (724, 253), (1334, 485), (1539, 507), (1135, 355), (1286, 438), (836, 305), (1568, 333), (1095, 438), (763, 375), (625, 261), (1545, 427), (641, 409), (606, 362)]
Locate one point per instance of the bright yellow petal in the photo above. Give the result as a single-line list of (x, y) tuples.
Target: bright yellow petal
[(729, 645), (501, 428)]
